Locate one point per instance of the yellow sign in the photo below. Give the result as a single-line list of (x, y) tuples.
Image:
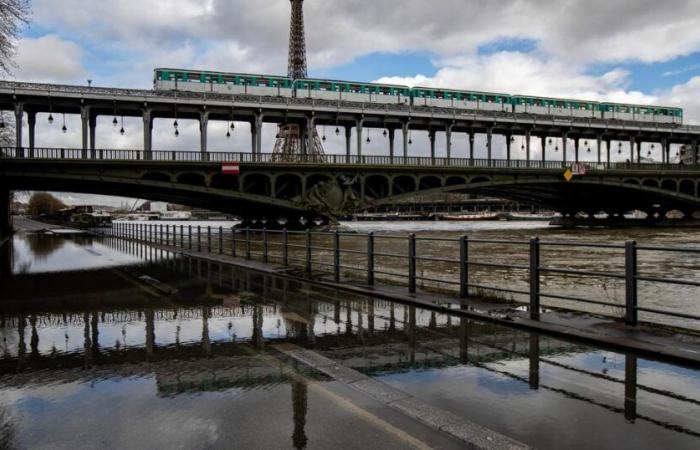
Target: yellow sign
[(568, 175)]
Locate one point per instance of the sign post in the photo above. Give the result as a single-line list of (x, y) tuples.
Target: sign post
[(231, 168)]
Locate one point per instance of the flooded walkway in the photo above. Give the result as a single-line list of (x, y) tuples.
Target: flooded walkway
[(114, 344)]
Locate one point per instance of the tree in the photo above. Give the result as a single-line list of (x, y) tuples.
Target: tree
[(43, 203), (13, 15)]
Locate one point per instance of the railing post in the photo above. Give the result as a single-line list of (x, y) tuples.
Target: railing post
[(631, 283), (535, 278), (336, 256), (266, 246), (208, 239), (160, 234), (285, 247), (233, 241), (370, 259), (308, 252), (221, 240), (464, 267), (412, 263), (189, 235), (247, 243), (199, 238)]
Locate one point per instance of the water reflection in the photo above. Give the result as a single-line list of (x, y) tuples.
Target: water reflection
[(202, 334)]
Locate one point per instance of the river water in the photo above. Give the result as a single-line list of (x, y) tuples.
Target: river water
[(111, 344)]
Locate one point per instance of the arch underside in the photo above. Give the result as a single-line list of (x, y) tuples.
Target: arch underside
[(222, 200), (574, 197)]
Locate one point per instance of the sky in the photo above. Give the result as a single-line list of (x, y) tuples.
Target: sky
[(637, 51)]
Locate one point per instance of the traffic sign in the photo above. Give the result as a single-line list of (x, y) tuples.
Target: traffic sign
[(231, 168), (568, 175), (578, 169)]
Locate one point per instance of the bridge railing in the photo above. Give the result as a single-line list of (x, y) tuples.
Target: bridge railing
[(177, 156), (610, 280)]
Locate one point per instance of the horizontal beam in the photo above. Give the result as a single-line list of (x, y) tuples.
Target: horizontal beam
[(176, 156)]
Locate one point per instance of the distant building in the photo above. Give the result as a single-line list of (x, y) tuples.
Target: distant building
[(159, 207)]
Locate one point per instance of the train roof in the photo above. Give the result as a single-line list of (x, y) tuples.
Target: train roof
[(500, 94), (352, 82), (212, 72), (642, 106)]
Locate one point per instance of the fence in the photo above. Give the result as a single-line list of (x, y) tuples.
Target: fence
[(270, 158), (450, 264)]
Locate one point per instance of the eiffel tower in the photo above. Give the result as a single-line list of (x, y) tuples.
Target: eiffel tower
[(293, 141)]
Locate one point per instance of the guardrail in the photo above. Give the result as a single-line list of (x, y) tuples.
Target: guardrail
[(328, 253), (270, 158)]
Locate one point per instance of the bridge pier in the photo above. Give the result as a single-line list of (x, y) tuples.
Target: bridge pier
[(405, 129), (19, 114), (489, 142), (392, 135), (431, 136), (509, 142), (471, 145), (358, 126), (5, 213), (203, 130), (564, 146), (348, 143), (31, 124), (85, 129), (448, 139), (147, 134)]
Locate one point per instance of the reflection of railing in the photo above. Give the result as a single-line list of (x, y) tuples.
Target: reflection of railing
[(270, 158), (330, 253)]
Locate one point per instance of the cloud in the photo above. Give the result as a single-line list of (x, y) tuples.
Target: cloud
[(49, 59)]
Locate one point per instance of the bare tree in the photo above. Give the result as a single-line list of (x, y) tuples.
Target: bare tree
[(13, 15)]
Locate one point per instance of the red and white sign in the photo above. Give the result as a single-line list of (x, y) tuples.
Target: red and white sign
[(231, 168), (578, 169)]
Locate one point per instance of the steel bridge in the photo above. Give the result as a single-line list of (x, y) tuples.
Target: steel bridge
[(337, 185)]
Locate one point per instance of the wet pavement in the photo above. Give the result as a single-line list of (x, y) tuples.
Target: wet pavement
[(113, 344)]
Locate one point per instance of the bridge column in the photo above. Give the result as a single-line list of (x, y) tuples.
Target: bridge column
[(406, 125), (489, 141), (471, 146), (147, 134), (527, 148), (543, 141), (631, 149), (348, 144), (509, 143), (93, 135), (310, 126), (431, 136), (565, 146), (19, 115), (639, 150), (31, 123), (85, 120), (358, 127), (203, 131), (5, 212), (666, 150), (608, 146), (577, 146), (448, 140), (392, 135), (599, 147)]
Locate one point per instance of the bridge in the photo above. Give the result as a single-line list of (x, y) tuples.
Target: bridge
[(311, 187)]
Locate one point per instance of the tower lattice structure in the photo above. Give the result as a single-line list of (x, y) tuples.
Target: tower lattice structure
[(293, 140)]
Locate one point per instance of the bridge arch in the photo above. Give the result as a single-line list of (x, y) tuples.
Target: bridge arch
[(377, 186), (288, 186), (157, 176), (429, 182), (687, 187), (476, 180), (455, 181), (403, 184), (256, 183), (192, 179), (634, 181), (669, 185), (227, 182), (650, 183)]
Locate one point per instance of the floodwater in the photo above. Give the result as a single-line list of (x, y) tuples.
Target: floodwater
[(438, 240), (138, 348)]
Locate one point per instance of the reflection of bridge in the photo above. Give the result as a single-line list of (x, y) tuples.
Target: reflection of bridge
[(267, 189)]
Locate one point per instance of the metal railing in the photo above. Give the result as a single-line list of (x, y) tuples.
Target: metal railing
[(357, 256), (270, 158)]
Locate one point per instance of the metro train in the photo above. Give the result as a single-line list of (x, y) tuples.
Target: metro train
[(276, 86)]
